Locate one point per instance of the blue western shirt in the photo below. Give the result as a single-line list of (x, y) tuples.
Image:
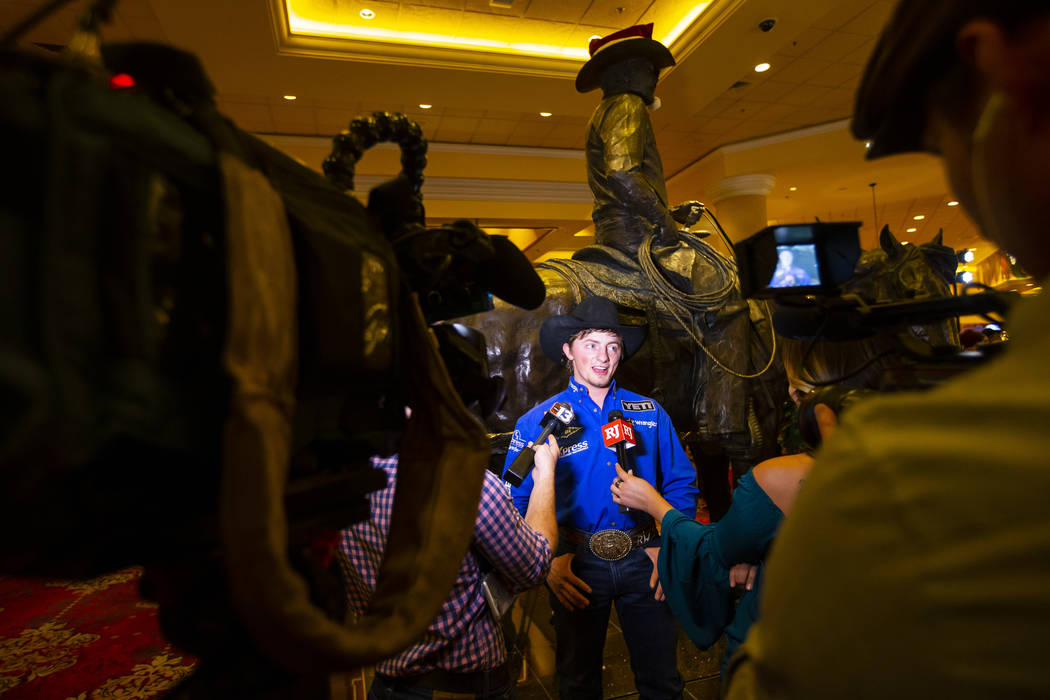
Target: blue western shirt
[(585, 468)]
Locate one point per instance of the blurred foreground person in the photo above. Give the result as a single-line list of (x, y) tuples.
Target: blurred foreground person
[(916, 561)]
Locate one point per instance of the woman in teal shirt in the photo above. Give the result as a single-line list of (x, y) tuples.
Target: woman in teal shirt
[(696, 560)]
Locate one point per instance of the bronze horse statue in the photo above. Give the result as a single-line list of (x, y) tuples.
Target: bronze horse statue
[(710, 357)]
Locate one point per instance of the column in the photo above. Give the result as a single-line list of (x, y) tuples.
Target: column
[(739, 202)]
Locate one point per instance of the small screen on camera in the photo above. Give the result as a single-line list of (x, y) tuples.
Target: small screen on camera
[(793, 260), (796, 266)]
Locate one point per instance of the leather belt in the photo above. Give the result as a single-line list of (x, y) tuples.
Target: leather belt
[(611, 544)]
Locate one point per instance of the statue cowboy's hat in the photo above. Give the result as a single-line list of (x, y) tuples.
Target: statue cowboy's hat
[(626, 43), (596, 313)]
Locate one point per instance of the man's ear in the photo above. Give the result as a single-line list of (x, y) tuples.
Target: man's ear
[(567, 350), (1004, 62)]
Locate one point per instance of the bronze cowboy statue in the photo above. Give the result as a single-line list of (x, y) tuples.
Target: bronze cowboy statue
[(709, 358)]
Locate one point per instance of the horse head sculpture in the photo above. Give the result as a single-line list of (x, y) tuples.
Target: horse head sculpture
[(898, 271)]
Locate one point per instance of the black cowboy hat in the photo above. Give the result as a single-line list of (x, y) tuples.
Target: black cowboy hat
[(593, 312), (626, 43)]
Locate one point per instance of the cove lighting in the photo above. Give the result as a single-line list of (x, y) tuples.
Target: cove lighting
[(443, 27), (762, 67), (683, 24)]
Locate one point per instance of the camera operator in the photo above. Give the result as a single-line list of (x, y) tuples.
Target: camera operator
[(908, 567), (463, 650)]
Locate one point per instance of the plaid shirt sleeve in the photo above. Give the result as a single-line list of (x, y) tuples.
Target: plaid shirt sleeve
[(520, 554)]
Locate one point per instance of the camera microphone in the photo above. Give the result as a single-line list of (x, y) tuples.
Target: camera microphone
[(618, 435), (556, 416)]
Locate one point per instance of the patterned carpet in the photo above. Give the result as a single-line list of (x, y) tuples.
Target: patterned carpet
[(82, 640)]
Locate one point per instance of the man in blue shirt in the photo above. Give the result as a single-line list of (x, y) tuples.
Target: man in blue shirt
[(606, 556)]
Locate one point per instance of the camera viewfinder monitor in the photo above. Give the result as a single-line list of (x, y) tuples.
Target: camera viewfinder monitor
[(798, 259)]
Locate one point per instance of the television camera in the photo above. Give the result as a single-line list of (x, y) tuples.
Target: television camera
[(813, 274), (203, 342)]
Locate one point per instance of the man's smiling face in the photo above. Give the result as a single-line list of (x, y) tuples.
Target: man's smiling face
[(594, 357)]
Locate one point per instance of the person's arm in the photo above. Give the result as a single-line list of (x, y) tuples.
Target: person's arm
[(519, 552), (625, 132), (540, 514)]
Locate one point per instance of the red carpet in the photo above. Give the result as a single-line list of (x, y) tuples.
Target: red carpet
[(83, 640)]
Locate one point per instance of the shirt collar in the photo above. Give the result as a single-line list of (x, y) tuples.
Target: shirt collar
[(579, 391)]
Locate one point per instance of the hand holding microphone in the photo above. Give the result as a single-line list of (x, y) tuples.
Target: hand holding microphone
[(558, 415), (618, 435)]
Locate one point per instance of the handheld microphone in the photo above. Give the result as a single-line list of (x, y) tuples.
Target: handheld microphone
[(558, 415), (618, 435)]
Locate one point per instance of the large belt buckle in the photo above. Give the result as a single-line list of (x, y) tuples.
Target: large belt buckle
[(610, 545)]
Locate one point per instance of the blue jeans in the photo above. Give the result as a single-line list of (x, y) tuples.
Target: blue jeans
[(648, 628), (382, 689)]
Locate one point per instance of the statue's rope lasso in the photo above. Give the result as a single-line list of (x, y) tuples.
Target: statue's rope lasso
[(678, 301)]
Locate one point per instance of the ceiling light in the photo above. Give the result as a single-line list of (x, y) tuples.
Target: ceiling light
[(919, 217), (289, 97), (867, 145), (911, 230), (762, 67), (965, 277), (953, 203), (545, 114), (792, 189), (425, 106), (367, 14)]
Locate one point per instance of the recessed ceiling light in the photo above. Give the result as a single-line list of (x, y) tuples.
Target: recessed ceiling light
[(762, 67), (425, 106), (367, 14), (545, 114), (919, 217), (289, 97), (911, 230), (792, 189), (953, 203)]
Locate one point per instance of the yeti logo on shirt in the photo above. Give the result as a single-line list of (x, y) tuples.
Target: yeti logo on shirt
[(638, 406)]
